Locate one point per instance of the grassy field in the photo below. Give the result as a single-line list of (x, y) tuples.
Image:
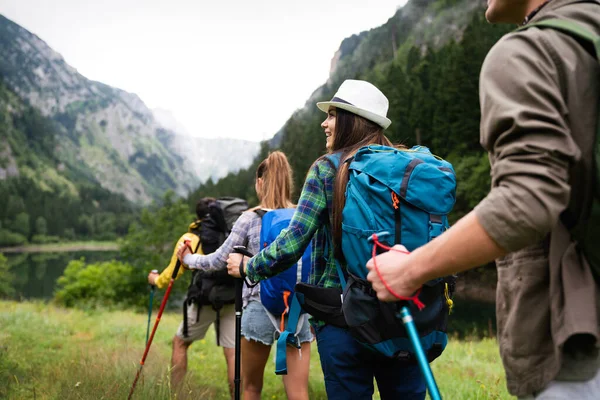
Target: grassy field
[(48, 352)]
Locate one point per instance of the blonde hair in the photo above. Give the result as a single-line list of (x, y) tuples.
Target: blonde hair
[(277, 186)]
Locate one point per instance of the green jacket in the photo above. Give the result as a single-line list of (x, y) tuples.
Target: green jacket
[(539, 104)]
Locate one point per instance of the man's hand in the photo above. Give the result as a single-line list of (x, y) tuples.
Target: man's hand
[(182, 250), (395, 269), (233, 264), (152, 277)]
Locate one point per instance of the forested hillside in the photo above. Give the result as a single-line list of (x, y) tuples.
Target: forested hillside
[(426, 59), (42, 197), (79, 158)]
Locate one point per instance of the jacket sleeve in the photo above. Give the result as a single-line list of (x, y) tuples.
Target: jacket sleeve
[(289, 246), (524, 128), (165, 275)]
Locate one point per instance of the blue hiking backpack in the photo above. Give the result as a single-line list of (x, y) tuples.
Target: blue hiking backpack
[(403, 196), (277, 292)]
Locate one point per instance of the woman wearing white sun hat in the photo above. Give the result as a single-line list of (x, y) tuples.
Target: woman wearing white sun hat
[(356, 117)]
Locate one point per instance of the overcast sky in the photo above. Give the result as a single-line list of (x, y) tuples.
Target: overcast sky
[(236, 68)]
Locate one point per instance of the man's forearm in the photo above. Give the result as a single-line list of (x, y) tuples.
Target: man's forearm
[(464, 246)]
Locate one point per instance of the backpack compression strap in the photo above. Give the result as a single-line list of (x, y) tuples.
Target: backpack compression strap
[(187, 302), (288, 336)]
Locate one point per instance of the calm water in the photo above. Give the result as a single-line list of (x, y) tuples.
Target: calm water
[(34, 275)]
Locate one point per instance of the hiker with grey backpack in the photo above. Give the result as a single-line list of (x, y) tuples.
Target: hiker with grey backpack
[(365, 195), (539, 95), (210, 296)]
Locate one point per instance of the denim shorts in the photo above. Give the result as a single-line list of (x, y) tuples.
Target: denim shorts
[(257, 326)]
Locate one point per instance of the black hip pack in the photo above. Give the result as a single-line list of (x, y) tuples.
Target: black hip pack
[(378, 325), (324, 304)]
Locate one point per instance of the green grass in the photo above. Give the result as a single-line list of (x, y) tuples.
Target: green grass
[(48, 352)]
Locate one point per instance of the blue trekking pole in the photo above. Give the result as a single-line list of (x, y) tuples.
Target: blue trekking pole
[(152, 288), (409, 324)]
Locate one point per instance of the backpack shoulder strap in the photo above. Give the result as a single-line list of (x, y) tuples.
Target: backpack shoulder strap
[(260, 212), (333, 159), (577, 31), (580, 33)]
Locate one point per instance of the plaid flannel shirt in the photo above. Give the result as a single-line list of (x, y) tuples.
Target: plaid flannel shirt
[(310, 221)]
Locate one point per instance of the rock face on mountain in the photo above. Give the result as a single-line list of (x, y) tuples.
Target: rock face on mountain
[(420, 23), (207, 158), (103, 133)]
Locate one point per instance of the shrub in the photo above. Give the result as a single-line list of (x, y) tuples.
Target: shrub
[(8, 238), (45, 239), (110, 284)]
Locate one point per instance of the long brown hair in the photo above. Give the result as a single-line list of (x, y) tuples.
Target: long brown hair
[(351, 133), (277, 187)]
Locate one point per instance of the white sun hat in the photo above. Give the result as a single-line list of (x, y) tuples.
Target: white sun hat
[(360, 98)]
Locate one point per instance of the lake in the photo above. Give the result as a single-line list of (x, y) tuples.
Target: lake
[(34, 275)]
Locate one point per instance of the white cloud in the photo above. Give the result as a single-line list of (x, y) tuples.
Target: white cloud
[(223, 68)]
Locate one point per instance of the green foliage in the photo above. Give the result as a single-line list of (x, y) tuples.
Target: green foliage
[(106, 284), (8, 238), (57, 190), (42, 239), (150, 242), (148, 245), (21, 224), (473, 175), (41, 226), (6, 280)]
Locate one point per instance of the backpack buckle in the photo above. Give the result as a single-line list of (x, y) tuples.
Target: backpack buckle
[(378, 236), (292, 340)]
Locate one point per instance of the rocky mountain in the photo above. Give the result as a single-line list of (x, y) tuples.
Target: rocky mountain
[(104, 133), (208, 158), (421, 24)]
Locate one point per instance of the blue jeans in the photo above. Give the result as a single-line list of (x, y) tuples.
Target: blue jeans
[(349, 369)]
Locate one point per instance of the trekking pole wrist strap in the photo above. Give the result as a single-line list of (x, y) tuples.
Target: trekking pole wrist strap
[(241, 269), (245, 278)]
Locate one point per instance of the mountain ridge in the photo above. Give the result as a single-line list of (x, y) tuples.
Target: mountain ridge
[(108, 133)]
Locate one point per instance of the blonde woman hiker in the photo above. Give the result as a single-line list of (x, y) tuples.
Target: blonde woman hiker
[(273, 186)]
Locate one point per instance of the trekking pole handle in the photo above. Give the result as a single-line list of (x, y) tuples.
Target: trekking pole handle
[(154, 271), (242, 250), (178, 264)]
